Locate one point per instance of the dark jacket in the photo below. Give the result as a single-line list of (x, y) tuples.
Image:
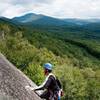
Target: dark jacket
[(49, 83)]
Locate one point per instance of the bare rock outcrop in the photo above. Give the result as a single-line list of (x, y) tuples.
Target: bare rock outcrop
[(13, 82)]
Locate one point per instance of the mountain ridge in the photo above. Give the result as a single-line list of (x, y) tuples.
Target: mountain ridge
[(40, 19), (36, 18)]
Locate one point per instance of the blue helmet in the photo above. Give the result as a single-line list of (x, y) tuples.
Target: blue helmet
[(48, 66)]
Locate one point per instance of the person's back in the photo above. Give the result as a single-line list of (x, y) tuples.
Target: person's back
[(53, 83)]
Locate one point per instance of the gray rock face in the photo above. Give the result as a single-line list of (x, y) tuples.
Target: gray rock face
[(13, 82)]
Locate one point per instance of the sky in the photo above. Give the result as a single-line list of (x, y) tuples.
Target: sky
[(56, 8)]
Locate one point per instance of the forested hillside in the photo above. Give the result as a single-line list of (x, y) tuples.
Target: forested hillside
[(73, 50)]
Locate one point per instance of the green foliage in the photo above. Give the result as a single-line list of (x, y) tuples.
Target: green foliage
[(35, 73), (74, 56), (78, 84), (73, 82), (19, 51)]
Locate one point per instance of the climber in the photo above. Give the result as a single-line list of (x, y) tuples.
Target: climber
[(51, 85)]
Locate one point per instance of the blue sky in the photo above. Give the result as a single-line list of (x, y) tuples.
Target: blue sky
[(55, 8)]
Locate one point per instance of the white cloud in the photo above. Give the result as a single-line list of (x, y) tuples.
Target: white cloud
[(10, 10), (56, 8)]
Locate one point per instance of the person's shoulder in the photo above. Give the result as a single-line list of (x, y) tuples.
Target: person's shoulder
[(51, 75)]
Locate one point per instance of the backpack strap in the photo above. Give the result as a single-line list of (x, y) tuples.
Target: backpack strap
[(51, 74)]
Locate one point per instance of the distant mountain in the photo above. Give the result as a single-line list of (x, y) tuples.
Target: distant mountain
[(41, 21), (4, 19), (27, 18), (38, 19), (81, 21), (8, 23), (76, 21)]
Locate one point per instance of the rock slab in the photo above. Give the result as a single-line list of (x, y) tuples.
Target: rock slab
[(13, 82)]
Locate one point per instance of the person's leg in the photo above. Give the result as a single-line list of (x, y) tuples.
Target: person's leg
[(45, 95)]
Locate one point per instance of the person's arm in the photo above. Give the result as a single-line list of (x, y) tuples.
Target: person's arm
[(45, 84)]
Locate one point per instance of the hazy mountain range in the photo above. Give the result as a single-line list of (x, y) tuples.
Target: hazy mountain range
[(39, 19), (56, 25), (32, 18)]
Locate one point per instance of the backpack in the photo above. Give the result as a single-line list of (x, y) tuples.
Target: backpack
[(58, 83), (61, 93)]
